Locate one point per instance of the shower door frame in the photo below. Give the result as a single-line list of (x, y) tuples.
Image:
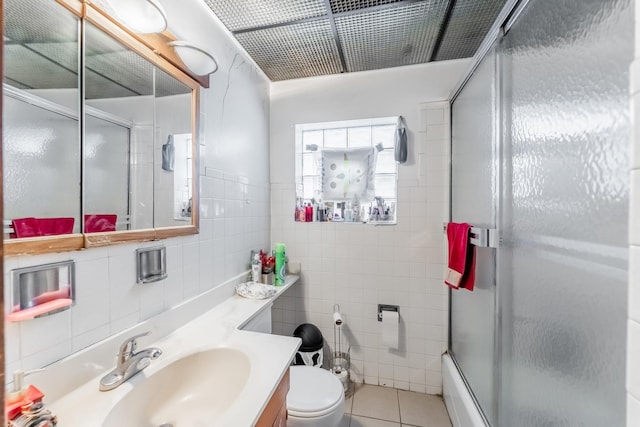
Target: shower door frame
[(507, 16)]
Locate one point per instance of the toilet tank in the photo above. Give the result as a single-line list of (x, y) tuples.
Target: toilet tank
[(261, 322)]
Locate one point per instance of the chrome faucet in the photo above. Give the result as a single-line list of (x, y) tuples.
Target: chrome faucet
[(129, 362)]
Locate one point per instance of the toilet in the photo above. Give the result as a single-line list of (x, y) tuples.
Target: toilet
[(315, 398)]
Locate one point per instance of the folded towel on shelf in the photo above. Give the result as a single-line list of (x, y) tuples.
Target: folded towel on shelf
[(462, 257), (34, 227), (98, 223), (25, 227), (56, 226)]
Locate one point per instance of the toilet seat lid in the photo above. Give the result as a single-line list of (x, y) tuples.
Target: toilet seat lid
[(313, 389)]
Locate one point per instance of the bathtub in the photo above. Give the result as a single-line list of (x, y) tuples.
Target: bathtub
[(460, 405)]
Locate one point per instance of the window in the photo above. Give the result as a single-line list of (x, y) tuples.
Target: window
[(182, 177), (318, 143)]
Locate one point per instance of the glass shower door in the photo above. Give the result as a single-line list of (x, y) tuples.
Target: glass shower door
[(473, 200), (563, 256)]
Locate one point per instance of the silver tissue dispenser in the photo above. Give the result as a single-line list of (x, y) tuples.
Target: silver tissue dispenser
[(151, 264), (41, 290)]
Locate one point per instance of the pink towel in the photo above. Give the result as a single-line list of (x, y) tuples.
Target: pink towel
[(99, 223), (56, 226), (462, 257), (25, 227), (33, 227)]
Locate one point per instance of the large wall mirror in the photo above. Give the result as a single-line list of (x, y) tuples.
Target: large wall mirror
[(96, 155)]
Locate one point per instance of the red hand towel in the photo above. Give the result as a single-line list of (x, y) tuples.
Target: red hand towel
[(462, 257), (99, 223), (56, 226), (25, 227)]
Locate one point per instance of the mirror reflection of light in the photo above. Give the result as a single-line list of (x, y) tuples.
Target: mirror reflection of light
[(92, 144), (33, 141)]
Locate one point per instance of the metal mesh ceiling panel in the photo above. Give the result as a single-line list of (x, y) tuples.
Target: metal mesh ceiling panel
[(98, 86), (470, 20), (15, 84), (97, 42), (242, 14), (167, 85), (65, 54), (341, 6), (105, 60), (391, 37), (39, 21), (293, 51), (30, 70), (139, 75)]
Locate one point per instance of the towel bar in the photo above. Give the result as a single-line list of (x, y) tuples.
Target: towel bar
[(481, 237)]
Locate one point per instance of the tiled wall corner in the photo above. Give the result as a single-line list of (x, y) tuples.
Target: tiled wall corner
[(633, 332), (359, 266)]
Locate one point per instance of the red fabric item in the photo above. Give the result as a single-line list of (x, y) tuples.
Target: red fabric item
[(462, 257), (34, 227), (25, 227), (100, 223), (13, 408), (56, 226)]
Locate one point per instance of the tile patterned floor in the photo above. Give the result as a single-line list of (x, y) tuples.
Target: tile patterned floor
[(372, 406)]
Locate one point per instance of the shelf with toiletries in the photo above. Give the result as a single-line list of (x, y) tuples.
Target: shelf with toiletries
[(269, 268), (379, 211)]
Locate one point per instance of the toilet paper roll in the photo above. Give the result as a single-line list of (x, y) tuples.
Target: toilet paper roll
[(343, 376), (390, 333), (337, 318)]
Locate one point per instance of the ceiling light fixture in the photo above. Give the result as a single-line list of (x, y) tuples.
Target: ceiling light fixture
[(198, 60), (141, 16)]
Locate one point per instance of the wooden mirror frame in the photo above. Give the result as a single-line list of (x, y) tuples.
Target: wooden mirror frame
[(155, 49)]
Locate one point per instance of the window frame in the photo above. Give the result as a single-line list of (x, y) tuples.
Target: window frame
[(304, 153)]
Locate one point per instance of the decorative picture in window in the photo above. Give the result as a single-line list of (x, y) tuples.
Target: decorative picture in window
[(348, 173)]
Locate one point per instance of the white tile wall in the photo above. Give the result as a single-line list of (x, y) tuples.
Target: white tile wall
[(633, 333), (359, 266)]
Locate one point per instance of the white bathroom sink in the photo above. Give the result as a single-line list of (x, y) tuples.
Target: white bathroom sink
[(190, 392)]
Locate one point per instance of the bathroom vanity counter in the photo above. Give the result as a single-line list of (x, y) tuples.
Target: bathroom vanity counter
[(71, 385)]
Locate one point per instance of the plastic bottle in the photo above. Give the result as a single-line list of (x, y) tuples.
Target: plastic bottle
[(320, 212), (280, 264), (256, 268), (308, 217)]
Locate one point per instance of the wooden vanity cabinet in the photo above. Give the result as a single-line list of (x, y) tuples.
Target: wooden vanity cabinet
[(275, 413)]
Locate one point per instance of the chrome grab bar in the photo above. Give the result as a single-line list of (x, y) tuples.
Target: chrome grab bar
[(480, 237)]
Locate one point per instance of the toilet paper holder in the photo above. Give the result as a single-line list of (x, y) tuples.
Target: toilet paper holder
[(387, 307)]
